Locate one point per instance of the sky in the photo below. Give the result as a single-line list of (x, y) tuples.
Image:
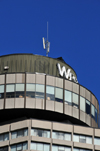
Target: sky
[(73, 32)]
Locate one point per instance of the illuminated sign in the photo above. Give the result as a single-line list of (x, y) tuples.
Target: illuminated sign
[(66, 74)]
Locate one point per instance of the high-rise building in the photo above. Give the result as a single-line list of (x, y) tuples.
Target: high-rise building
[(44, 108)]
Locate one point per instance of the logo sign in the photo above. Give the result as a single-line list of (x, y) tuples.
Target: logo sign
[(66, 74)]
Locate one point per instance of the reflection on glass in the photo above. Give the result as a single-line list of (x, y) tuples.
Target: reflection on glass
[(10, 90), (75, 100), (82, 103), (20, 91), (61, 135), (39, 146), (39, 91), (68, 98), (1, 91), (88, 107), (30, 90), (60, 148), (50, 93), (40, 133), (58, 95)]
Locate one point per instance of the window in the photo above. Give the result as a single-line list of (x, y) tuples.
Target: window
[(82, 103), (82, 139), (19, 133), (4, 149), (96, 115), (40, 146), (10, 90), (40, 133), (77, 149), (39, 91), (58, 95), (75, 100), (88, 107), (30, 90), (60, 148), (1, 91), (61, 135), (96, 141), (20, 90), (4, 137), (68, 98), (19, 147), (50, 93), (92, 111)]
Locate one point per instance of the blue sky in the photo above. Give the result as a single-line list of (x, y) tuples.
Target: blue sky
[(74, 33)]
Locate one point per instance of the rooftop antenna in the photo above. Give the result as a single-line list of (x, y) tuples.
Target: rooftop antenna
[(46, 43)]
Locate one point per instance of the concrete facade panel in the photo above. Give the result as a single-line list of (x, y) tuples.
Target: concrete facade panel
[(88, 119), (82, 116), (68, 85), (62, 142), (59, 107), (82, 91), (87, 95), (1, 103), (83, 130), (2, 79), (50, 105), (59, 82), (41, 139), (19, 125), (19, 102), (75, 88), (10, 78), (68, 110), (39, 103), (40, 79), (62, 127), (30, 103), (75, 112), (9, 103), (83, 145), (4, 129), (20, 78), (30, 78), (44, 124), (50, 80)]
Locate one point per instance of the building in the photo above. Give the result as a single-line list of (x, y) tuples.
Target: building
[(43, 107)]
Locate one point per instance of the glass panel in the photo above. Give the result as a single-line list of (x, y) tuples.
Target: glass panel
[(1, 91), (25, 147), (6, 137), (25, 132), (39, 88), (1, 138), (97, 141), (82, 103), (48, 134), (61, 148), (1, 88), (61, 136), (88, 140), (54, 148), (68, 97), (13, 148), (50, 93), (67, 137), (40, 132), (33, 146), (87, 107), (20, 133), (67, 149), (75, 100), (55, 135), (96, 115), (30, 87), (19, 146), (39, 146), (19, 87), (10, 88), (76, 138), (39, 91), (93, 111), (76, 149), (14, 135), (82, 139), (46, 147), (58, 95)]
